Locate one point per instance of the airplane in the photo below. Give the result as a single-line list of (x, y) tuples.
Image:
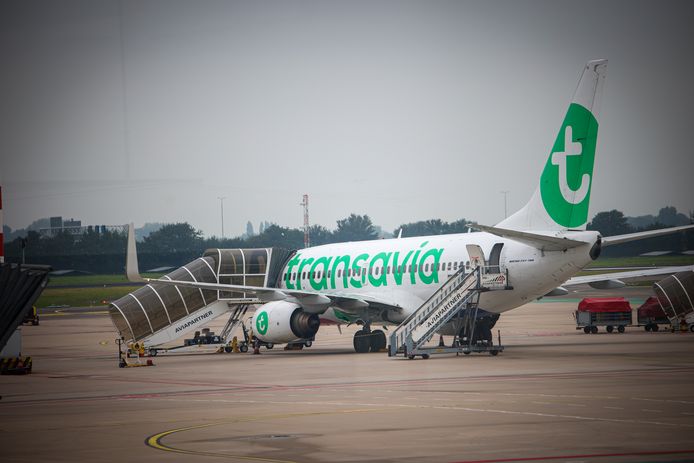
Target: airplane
[(541, 248)]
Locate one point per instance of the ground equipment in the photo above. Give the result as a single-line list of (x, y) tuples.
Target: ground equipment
[(610, 312), (651, 315)]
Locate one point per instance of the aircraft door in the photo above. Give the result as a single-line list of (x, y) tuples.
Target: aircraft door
[(476, 256), (495, 257)]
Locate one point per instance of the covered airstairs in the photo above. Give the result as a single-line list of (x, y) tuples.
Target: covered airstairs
[(157, 314), (456, 302)]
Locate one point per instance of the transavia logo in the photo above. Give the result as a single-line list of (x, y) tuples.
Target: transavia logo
[(418, 264), (261, 323), (566, 181)]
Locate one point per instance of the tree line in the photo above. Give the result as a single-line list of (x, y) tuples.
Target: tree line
[(173, 245)]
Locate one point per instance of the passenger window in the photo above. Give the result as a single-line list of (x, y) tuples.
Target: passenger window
[(449, 266), (329, 272), (339, 273)]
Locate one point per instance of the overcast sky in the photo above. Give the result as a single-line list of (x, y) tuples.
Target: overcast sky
[(148, 111)]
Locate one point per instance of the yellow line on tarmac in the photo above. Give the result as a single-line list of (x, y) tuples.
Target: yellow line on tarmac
[(154, 441)]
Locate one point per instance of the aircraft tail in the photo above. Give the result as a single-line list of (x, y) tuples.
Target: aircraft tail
[(132, 269), (562, 197)]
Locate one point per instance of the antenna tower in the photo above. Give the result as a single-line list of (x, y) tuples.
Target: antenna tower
[(304, 203)]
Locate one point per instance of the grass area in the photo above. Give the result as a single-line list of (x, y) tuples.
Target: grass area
[(89, 280), (88, 290), (82, 297)]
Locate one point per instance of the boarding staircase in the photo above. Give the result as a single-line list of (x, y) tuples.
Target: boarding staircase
[(676, 296), (460, 293)]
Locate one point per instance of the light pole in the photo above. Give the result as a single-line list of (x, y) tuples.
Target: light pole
[(221, 207), (505, 193)]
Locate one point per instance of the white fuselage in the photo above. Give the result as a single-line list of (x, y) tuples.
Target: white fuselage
[(405, 272)]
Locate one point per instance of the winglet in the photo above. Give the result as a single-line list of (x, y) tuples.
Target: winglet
[(132, 271)]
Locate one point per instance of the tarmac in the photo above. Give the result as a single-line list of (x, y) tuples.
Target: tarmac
[(554, 394)]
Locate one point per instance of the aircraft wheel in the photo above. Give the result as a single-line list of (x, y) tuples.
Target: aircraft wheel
[(494, 352), (586, 329), (362, 342), (425, 356), (620, 328), (647, 327), (269, 345), (593, 329), (308, 343), (655, 327), (411, 357), (378, 341), (610, 328), (691, 328)]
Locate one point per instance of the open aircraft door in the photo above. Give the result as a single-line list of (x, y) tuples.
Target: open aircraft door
[(476, 256)]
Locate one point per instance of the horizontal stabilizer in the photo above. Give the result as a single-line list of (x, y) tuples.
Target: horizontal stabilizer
[(618, 239), (541, 242)]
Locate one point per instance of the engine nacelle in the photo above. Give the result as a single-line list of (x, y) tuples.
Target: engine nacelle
[(279, 322)]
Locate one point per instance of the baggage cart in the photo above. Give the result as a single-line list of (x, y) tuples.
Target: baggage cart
[(609, 312)]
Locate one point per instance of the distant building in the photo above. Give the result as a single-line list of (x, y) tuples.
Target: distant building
[(74, 227)]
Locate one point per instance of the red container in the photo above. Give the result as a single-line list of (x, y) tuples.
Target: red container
[(604, 304)]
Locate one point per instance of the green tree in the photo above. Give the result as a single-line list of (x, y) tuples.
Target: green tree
[(320, 235), (355, 228), (432, 227), (274, 235), (174, 238), (610, 223)]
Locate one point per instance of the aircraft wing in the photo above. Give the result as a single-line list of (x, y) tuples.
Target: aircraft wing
[(606, 277), (345, 301), (611, 240)]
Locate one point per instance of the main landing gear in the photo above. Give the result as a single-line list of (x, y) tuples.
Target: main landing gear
[(366, 340)]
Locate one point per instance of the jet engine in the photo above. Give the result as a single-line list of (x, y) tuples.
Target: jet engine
[(279, 322)]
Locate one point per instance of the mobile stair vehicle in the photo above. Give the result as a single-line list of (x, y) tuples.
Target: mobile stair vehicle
[(455, 302), (676, 296)]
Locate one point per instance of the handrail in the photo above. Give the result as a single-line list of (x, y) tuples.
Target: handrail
[(409, 325)]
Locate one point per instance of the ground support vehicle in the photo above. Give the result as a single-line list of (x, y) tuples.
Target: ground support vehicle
[(609, 312), (676, 296), (650, 315), (31, 316)]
